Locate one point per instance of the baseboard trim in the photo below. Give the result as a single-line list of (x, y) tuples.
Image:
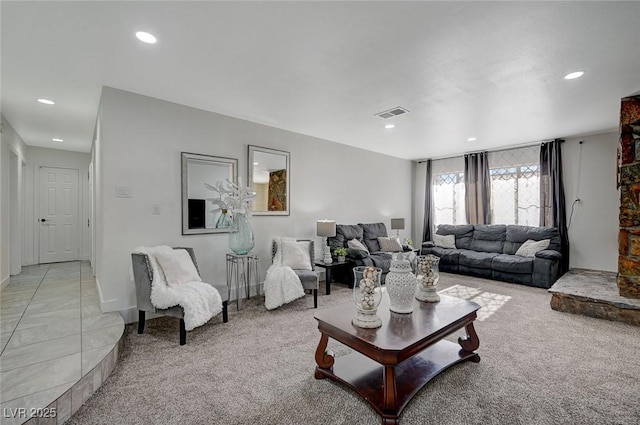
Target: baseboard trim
[(130, 315), (252, 291), (4, 283)]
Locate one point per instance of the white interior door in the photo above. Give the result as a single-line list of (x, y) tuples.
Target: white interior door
[(59, 215)]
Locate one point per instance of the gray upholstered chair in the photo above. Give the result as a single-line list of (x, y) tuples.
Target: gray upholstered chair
[(143, 276), (308, 278)]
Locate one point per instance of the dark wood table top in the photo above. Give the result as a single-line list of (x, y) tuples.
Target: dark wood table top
[(334, 264), (407, 333)]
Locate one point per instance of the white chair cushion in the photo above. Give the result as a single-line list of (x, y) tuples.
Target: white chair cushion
[(296, 255), (177, 266)]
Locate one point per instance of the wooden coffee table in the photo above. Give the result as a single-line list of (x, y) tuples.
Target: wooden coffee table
[(392, 363)]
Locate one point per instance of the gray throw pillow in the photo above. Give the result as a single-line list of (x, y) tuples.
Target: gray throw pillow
[(531, 247)]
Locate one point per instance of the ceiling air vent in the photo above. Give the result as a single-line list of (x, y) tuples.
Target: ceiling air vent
[(392, 113)]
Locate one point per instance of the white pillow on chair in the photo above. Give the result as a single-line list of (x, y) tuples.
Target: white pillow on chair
[(296, 255), (178, 267)]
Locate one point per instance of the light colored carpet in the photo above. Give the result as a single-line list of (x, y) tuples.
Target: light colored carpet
[(538, 366)]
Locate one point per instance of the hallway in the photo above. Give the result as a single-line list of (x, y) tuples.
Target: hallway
[(57, 345)]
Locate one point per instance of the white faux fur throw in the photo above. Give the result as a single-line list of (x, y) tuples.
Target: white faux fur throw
[(282, 285), (200, 301)]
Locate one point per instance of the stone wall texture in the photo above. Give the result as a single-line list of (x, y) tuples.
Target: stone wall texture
[(629, 180)]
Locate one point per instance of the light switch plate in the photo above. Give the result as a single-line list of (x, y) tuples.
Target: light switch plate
[(123, 192), (156, 209)]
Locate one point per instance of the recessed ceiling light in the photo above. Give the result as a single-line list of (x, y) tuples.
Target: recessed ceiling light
[(57, 140), (574, 75), (389, 126), (256, 163), (46, 101), (146, 37), (471, 139)]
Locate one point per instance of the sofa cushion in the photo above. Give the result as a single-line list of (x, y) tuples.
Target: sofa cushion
[(357, 254), (481, 260), (462, 232), (489, 238), (517, 235), (370, 234), (382, 260), (512, 264), (344, 233), (447, 256)]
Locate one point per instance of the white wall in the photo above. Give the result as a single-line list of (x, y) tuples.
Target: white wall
[(140, 140), (12, 148), (43, 157), (590, 175)]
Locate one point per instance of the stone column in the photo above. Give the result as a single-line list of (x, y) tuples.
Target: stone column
[(629, 178)]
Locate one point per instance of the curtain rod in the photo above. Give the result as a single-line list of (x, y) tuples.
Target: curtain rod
[(506, 148)]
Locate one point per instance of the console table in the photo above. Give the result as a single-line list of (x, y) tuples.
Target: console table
[(391, 364), (243, 270)]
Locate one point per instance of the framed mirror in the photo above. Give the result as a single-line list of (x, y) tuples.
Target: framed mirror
[(269, 178), (201, 212)]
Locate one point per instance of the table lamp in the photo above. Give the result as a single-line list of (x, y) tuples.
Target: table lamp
[(326, 228), (397, 224)]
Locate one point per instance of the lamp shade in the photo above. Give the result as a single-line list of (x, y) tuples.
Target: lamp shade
[(397, 223), (326, 228)]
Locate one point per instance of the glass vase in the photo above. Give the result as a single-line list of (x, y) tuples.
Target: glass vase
[(367, 295), (241, 236), (428, 275), (224, 219)]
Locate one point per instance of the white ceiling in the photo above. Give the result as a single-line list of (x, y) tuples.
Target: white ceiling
[(492, 70)]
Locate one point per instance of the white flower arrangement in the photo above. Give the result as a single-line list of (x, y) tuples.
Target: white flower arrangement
[(233, 197)]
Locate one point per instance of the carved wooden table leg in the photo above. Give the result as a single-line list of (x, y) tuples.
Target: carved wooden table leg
[(471, 342), (324, 359), (390, 405)]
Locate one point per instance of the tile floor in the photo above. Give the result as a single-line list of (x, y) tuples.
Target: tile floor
[(52, 334)]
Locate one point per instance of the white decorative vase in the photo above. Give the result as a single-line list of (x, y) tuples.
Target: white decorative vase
[(428, 275), (401, 285), (367, 296)]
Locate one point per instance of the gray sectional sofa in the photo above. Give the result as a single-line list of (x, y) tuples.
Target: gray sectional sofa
[(368, 234), (489, 251)]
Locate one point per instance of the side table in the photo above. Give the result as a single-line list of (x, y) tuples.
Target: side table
[(243, 269), (331, 266)]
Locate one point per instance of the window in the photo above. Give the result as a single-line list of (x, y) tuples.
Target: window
[(448, 191), (448, 198), (515, 188)]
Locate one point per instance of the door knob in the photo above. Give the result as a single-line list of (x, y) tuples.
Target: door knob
[(42, 220)]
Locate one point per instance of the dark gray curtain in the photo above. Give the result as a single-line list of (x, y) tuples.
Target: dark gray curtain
[(428, 220), (477, 186), (553, 211)]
